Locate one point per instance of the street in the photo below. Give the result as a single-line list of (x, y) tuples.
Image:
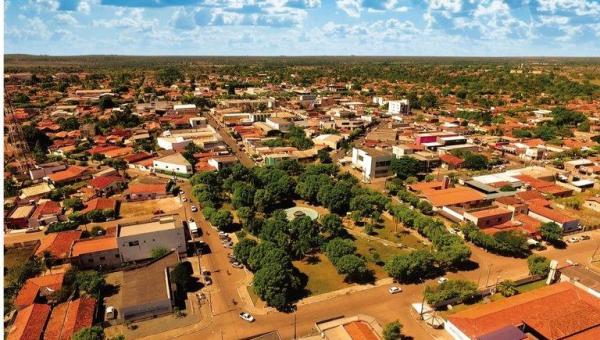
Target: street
[(230, 141)]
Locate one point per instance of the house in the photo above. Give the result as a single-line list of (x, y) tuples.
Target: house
[(136, 240), (71, 174), (100, 203), (19, 217), (463, 197), (95, 252), (58, 244), (35, 287), (106, 185), (45, 213), (146, 291), (29, 323), (35, 191), (279, 124), (451, 162), (489, 217), (328, 140), (396, 107), (42, 170), (70, 317), (544, 213), (558, 311), (221, 162), (173, 164), (372, 163), (146, 191)]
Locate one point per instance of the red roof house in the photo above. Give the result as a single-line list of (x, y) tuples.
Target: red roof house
[(38, 286), (29, 323), (69, 317)]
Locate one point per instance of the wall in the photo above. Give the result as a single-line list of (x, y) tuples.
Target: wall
[(170, 239)]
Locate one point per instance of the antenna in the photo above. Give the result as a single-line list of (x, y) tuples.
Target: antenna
[(16, 137)]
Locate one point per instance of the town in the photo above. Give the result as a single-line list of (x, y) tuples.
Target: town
[(301, 198)]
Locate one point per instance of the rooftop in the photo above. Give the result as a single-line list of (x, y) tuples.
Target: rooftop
[(58, 244), (32, 287), (557, 311), (29, 323), (69, 317), (149, 226), (452, 196), (91, 245)]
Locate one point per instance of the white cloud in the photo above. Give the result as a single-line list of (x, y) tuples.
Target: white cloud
[(128, 18), (66, 18), (32, 28), (351, 7)]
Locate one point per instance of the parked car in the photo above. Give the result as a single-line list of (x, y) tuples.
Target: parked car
[(223, 234), (442, 280), (237, 265), (110, 313), (394, 290), (228, 245), (32, 229), (246, 317), (573, 240), (585, 237), (194, 208), (207, 280), (206, 272)]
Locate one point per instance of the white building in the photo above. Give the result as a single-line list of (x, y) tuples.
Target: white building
[(397, 107), (170, 143), (136, 240), (174, 163), (372, 163), (279, 124)]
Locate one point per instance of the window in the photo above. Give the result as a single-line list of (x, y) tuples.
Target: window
[(91, 260), (360, 158), (134, 243), (102, 258), (117, 255)]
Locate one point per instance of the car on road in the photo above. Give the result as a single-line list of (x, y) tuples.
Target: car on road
[(442, 280), (223, 234), (32, 230), (228, 245), (206, 272), (185, 199), (191, 220), (394, 290), (573, 240), (246, 317), (236, 264), (585, 237), (194, 208)]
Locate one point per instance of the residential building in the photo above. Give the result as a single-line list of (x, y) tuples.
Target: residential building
[(328, 140), (489, 217), (558, 311), (147, 292), (46, 212), (19, 217), (146, 191), (279, 124), (222, 162), (396, 107), (97, 252), (373, 163), (42, 170), (173, 164), (542, 211), (69, 317), (137, 239), (29, 323), (58, 244), (38, 287), (107, 185), (71, 174), (100, 203)]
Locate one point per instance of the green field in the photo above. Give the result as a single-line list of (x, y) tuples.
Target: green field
[(322, 275)]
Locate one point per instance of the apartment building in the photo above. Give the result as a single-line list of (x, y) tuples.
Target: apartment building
[(372, 163), (136, 240)]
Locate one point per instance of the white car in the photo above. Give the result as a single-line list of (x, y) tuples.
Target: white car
[(573, 240), (394, 290), (246, 317), (442, 280), (194, 208)]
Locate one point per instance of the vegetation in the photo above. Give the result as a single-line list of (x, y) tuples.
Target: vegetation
[(538, 265), (392, 331), (507, 288), (462, 291)]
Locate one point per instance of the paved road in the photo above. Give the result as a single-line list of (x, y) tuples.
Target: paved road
[(230, 141)]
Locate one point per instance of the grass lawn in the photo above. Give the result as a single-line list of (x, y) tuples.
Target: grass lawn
[(531, 286), (322, 275), (367, 248), (386, 231)]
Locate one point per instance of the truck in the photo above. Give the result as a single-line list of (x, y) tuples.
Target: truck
[(193, 228)]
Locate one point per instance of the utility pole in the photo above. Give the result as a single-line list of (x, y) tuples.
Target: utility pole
[(488, 275), (294, 324)]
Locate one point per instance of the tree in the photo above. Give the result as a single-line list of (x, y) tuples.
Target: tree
[(158, 252), (411, 267), (551, 232), (276, 284), (405, 167), (90, 281), (10, 188), (392, 331), (181, 275), (507, 288), (242, 250), (304, 236), (463, 291), (354, 267), (92, 333), (428, 100), (324, 156), (475, 161), (332, 225), (243, 195), (339, 247), (74, 203), (106, 102), (265, 253), (538, 265), (221, 219)]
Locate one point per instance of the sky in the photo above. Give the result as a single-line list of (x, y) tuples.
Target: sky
[(304, 27)]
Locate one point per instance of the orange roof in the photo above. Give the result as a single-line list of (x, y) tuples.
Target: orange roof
[(452, 196), (102, 182), (490, 212), (69, 173), (433, 185), (359, 330), (91, 245), (551, 214), (118, 152), (31, 289), (451, 159), (69, 317), (529, 195), (58, 244), (530, 224), (47, 208), (99, 203), (29, 323), (556, 311)]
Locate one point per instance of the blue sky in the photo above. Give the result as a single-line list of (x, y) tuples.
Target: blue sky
[(304, 27)]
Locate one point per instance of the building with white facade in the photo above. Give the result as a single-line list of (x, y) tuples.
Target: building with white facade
[(372, 163), (136, 240), (396, 107), (174, 163)]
